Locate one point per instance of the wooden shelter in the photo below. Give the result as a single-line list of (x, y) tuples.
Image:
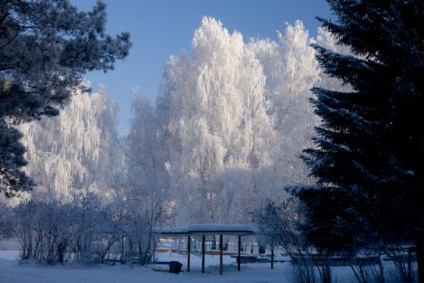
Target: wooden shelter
[(211, 229)]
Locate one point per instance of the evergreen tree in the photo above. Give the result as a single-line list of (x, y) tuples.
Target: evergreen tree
[(368, 162), (46, 47)]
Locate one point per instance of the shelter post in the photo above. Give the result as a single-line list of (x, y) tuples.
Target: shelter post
[(220, 254), (203, 254), (188, 252), (238, 253)]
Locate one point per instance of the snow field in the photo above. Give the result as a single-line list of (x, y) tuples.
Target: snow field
[(12, 271)]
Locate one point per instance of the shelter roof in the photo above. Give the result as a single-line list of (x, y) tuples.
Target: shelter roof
[(209, 229)]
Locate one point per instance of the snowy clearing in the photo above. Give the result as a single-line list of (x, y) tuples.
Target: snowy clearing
[(12, 271)]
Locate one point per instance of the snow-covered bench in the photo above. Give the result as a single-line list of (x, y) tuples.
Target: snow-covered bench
[(245, 258), (167, 266)]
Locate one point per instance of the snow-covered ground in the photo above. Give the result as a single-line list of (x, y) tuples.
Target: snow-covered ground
[(12, 271)]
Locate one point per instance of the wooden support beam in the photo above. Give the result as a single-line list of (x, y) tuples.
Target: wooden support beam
[(203, 253), (221, 247), (238, 253), (188, 253)]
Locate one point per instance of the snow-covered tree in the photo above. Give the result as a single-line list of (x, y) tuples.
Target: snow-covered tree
[(368, 163), (291, 70), (147, 202), (216, 119), (147, 176), (46, 48), (77, 150), (236, 117)]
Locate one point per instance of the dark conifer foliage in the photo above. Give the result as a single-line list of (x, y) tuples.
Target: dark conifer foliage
[(46, 47), (368, 162)]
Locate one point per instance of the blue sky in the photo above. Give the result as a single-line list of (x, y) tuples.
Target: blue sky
[(160, 28)]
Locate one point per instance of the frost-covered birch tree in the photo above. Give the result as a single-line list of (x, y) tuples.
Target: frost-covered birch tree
[(235, 118), (147, 202), (291, 70), (77, 150), (147, 185), (217, 121)]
